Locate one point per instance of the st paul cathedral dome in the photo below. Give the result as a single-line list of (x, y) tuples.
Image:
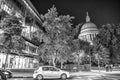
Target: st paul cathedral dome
[(88, 31)]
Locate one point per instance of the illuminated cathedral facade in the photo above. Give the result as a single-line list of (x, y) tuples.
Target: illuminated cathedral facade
[(88, 31)]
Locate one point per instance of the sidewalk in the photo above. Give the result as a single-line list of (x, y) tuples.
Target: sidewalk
[(104, 72), (94, 73), (83, 73)]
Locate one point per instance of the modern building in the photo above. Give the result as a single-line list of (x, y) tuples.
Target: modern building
[(88, 31), (30, 19)]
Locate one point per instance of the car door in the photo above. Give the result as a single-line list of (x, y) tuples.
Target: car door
[(46, 72), (55, 73)]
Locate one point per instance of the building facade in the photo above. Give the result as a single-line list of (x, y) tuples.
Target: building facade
[(31, 21)]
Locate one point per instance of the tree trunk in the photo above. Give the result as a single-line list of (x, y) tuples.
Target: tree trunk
[(90, 62), (49, 62), (78, 63), (78, 66), (111, 55), (99, 65), (61, 65), (53, 62)]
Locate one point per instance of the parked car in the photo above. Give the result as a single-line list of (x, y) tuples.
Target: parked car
[(2, 76), (7, 73), (48, 72)]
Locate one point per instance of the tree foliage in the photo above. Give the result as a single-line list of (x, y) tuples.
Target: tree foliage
[(58, 29), (12, 33), (80, 50), (60, 38), (11, 39), (109, 39)]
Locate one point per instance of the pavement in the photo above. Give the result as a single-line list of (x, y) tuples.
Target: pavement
[(92, 73)]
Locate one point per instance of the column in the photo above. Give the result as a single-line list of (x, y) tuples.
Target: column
[(16, 60), (8, 62), (4, 57), (28, 62), (92, 36), (24, 62), (1, 60), (1, 1), (30, 26), (24, 18), (21, 61)]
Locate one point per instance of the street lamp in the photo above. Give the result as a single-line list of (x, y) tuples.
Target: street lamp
[(98, 63), (90, 61), (98, 60), (91, 44)]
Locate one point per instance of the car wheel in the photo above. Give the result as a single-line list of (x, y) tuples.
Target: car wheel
[(63, 76), (2, 76), (39, 77)]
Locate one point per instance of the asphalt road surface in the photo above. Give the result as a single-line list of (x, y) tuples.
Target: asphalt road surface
[(77, 78), (32, 79)]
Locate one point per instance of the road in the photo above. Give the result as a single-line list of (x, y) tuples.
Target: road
[(109, 77), (32, 79), (46, 79), (105, 77)]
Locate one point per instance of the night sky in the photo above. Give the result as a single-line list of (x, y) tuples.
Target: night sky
[(100, 11)]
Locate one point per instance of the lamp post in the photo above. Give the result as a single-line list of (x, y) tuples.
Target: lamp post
[(98, 63), (89, 60), (90, 63), (98, 60), (78, 55), (91, 44)]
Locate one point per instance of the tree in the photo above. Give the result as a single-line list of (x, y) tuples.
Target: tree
[(12, 40), (63, 54), (102, 52), (58, 31), (80, 50), (108, 41)]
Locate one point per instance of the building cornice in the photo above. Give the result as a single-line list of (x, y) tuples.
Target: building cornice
[(30, 6)]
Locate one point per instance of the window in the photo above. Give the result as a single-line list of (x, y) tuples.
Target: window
[(32, 49), (53, 69), (45, 68)]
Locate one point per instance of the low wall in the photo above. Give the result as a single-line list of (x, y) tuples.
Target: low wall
[(22, 70), (75, 67)]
